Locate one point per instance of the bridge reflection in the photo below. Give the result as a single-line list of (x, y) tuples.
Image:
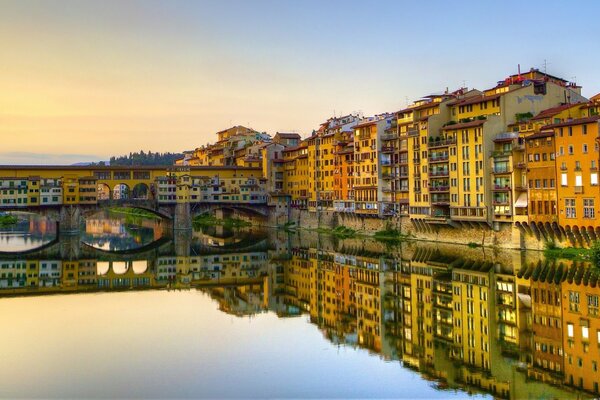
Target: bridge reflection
[(509, 324)]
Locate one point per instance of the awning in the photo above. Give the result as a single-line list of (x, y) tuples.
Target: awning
[(521, 201)]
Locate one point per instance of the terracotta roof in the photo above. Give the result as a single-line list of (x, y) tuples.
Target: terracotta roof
[(474, 99), (553, 111), (541, 134), (426, 105), (366, 123), (288, 135), (405, 110), (578, 121), (463, 125)]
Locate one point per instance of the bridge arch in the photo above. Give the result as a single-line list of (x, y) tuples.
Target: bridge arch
[(104, 192), (141, 191), (121, 191)]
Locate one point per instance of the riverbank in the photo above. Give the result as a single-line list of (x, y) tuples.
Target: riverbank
[(133, 212), (205, 220)]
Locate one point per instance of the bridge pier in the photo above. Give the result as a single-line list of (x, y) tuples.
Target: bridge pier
[(70, 219), (70, 248), (182, 241), (182, 217)]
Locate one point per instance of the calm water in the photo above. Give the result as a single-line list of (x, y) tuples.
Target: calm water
[(131, 309)]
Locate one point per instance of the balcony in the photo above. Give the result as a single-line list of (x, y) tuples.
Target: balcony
[(506, 136), (578, 189), (502, 188), (438, 158), (439, 174), (521, 165), (413, 132), (403, 189), (389, 136), (501, 202), (388, 149), (519, 147), (440, 201), (386, 162), (501, 170), (388, 176), (441, 143), (439, 189), (501, 153)]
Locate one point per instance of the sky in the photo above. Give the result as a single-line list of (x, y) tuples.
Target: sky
[(84, 80)]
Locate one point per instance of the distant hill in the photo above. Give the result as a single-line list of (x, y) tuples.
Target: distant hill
[(143, 158)]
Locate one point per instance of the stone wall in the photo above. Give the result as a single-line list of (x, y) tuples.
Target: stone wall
[(506, 236)]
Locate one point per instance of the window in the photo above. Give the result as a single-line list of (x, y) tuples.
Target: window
[(570, 149), (588, 208), (594, 179), (563, 179), (578, 181), (585, 148), (570, 330), (570, 208)]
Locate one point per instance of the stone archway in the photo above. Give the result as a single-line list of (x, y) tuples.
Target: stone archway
[(104, 192), (141, 191)]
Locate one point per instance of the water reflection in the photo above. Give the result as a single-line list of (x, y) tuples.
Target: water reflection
[(30, 232), (507, 324), (114, 231)]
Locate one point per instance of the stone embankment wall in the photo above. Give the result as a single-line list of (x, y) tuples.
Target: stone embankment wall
[(506, 237)]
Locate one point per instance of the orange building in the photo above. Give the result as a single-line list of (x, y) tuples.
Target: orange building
[(577, 176), (541, 176), (581, 332)]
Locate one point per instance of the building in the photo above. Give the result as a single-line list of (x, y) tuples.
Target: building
[(577, 176)]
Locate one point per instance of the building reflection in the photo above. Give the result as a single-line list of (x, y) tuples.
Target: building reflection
[(513, 327)]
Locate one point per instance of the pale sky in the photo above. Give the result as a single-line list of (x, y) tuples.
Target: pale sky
[(83, 80)]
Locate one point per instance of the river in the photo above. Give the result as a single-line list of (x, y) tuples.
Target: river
[(131, 309)]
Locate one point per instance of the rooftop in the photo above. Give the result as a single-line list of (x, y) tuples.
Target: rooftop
[(577, 121)]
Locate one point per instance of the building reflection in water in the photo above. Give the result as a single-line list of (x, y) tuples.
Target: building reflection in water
[(511, 325)]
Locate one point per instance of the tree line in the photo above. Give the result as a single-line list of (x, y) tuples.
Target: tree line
[(143, 158)]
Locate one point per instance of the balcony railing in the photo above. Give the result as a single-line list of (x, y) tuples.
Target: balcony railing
[(441, 143), (438, 158), (388, 176), (503, 188), (501, 153), (389, 136), (441, 188), (388, 149), (578, 189), (501, 170), (413, 132), (501, 202), (521, 164), (442, 174)]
